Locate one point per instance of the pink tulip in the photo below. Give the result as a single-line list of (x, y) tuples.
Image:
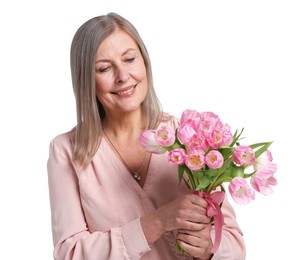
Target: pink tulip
[(210, 122), (195, 160), (185, 133), (149, 143), (265, 159), (240, 191), (197, 142), (189, 116), (214, 159), (227, 135), (263, 180), (267, 154), (177, 156), (165, 136), (210, 117), (215, 139), (244, 155)]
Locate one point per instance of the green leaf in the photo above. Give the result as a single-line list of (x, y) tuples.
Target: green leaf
[(191, 178), (222, 180), (226, 151), (236, 171), (226, 164), (209, 173), (236, 137), (180, 173), (187, 184), (204, 183), (248, 175), (263, 147)]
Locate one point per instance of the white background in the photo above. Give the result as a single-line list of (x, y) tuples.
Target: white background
[(235, 58)]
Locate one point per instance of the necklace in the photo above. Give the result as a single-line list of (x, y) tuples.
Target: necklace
[(135, 174)]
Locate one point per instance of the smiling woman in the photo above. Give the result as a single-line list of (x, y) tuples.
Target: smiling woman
[(100, 168)]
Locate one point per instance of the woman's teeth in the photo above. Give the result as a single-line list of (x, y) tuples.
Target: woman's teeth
[(127, 91)]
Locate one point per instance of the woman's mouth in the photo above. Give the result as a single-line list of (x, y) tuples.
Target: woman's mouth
[(125, 92)]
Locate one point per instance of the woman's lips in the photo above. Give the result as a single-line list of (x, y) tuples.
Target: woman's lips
[(126, 91)]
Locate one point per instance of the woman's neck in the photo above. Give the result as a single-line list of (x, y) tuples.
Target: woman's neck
[(128, 124)]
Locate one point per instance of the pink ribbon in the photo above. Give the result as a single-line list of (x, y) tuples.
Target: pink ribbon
[(213, 210)]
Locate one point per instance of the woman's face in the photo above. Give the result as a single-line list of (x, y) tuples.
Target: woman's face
[(121, 80)]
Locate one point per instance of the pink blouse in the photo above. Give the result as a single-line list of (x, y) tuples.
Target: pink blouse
[(96, 212)]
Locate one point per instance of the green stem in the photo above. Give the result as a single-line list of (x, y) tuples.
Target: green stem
[(191, 178)]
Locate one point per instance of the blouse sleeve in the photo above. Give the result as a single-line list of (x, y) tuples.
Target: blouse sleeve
[(232, 245), (71, 237)]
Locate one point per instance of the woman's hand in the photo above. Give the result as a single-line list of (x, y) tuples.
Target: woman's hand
[(187, 212), (196, 243)]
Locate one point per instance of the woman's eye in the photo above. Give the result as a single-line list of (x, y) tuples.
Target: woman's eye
[(130, 60), (103, 69)]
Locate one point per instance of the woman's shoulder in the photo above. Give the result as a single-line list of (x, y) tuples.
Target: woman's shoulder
[(64, 140)]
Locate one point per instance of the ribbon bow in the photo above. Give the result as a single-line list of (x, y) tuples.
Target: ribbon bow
[(213, 210)]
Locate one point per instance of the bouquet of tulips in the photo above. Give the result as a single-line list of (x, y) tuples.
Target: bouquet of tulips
[(207, 155)]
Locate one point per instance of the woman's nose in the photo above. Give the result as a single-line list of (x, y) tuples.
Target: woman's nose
[(122, 75)]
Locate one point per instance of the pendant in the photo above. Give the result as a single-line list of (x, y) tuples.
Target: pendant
[(136, 176)]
